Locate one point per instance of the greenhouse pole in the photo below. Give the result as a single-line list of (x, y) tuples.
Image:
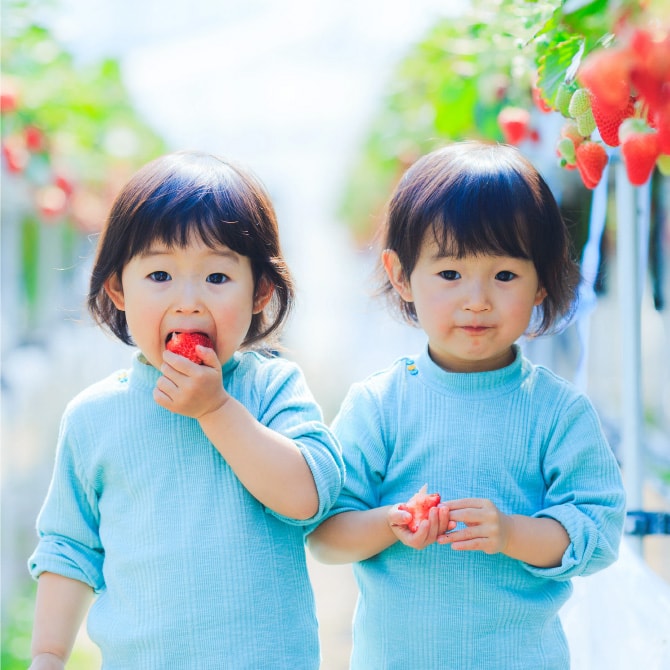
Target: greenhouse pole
[(630, 299)]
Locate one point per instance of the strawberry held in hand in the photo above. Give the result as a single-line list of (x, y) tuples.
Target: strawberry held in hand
[(185, 344), (419, 506)]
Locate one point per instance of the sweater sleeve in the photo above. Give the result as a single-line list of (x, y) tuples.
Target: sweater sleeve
[(288, 407), (585, 493), (67, 525), (360, 428)]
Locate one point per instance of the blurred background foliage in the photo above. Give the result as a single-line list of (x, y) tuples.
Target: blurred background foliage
[(455, 82), (70, 137)]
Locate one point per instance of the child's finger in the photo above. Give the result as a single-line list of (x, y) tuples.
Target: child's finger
[(466, 503), (208, 356), (459, 539), (398, 517), (422, 537), (444, 520)]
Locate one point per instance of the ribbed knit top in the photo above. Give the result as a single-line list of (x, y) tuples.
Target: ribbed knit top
[(519, 436), (191, 570)]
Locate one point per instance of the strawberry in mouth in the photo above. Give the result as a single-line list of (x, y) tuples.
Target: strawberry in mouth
[(184, 344)]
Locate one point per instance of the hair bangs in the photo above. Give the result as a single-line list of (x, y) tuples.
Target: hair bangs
[(484, 216), (174, 217)]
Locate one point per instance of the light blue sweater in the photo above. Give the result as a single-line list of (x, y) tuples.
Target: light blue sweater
[(191, 570), (519, 436)]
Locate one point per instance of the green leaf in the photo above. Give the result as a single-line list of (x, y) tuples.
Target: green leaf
[(556, 62)]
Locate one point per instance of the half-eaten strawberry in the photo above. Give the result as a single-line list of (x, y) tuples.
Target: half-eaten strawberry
[(419, 506), (184, 344)]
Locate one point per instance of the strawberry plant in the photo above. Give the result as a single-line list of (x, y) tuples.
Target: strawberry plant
[(595, 62), (623, 75)]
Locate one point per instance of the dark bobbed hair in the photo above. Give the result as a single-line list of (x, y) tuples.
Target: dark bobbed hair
[(186, 194), (479, 198)]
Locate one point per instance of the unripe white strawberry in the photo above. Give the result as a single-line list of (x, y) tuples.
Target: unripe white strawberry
[(579, 103), (566, 149), (563, 96), (586, 123)]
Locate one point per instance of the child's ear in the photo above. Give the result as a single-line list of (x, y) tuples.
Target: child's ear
[(264, 290), (114, 290), (540, 296), (396, 275)]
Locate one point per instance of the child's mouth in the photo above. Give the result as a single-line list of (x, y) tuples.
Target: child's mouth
[(187, 334)]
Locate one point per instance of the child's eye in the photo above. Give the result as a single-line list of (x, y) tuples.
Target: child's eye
[(160, 276), (450, 275), (505, 275), (216, 278)]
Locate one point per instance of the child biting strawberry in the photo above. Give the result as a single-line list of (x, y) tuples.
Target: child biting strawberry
[(181, 492)]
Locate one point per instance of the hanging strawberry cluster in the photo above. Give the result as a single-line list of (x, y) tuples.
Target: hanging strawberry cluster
[(623, 92)]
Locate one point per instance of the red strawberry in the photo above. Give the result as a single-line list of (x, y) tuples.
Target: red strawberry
[(650, 60), (15, 153), (591, 160), (660, 120), (514, 123), (606, 73), (35, 139), (9, 95), (51, 201), (608, 119), (539, 101), (184, 344), (64, 183), (639, 150), (419, 505)]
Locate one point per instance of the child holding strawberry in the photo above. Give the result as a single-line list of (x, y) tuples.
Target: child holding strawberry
[(476, 253), (183, 486)]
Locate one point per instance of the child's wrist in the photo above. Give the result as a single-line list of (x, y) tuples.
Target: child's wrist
[(217, 404)]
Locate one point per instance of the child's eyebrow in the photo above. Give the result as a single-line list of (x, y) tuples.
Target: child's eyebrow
[(227, 253), (155, 252), (441, 256)]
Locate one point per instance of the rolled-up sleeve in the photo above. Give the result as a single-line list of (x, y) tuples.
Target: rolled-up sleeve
[(585, 493), (288, 407), (67, 525)]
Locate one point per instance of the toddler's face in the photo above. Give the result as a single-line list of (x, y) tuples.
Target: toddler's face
[(190, 289), (473, 308)]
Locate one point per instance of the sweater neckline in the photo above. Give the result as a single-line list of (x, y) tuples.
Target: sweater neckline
[(492, 382)]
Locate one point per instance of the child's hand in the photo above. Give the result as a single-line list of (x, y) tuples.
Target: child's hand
[(487, 528), (47, 662), (189, 388), (427, 531)]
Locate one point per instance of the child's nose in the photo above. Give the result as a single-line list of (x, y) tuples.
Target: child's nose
[(188, 298), (477, 299)]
